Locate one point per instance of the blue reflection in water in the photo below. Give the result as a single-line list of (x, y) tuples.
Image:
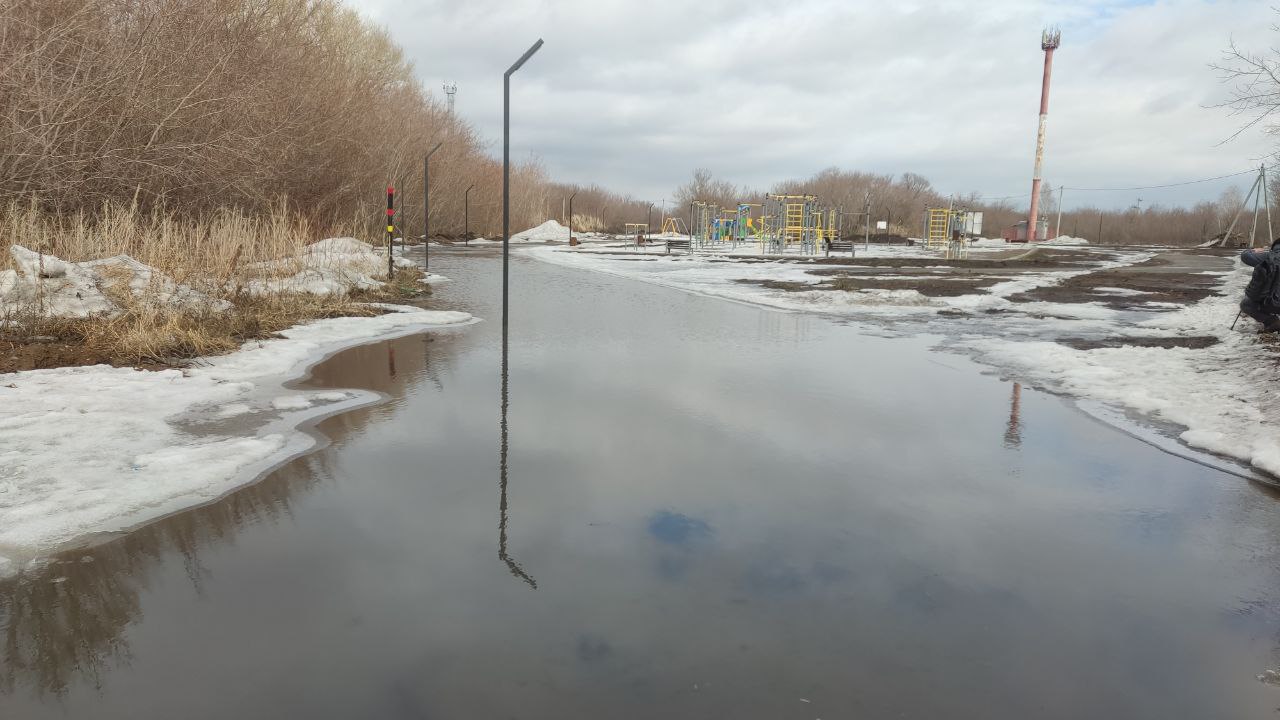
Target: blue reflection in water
[(678, 529)]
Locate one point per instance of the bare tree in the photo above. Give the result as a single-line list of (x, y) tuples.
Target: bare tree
[(1254, 80)]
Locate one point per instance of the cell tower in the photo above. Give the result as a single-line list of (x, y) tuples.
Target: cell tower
[(450, 91), (1049, 40)]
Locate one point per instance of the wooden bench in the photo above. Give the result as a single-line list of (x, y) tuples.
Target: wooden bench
[(681, 244), (840, 246)]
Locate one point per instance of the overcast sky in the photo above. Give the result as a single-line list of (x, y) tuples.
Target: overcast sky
[(634, 95)]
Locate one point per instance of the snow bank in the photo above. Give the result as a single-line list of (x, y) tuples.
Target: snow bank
[(88, 450), (1066, 240), (334, 266), (57, 288)]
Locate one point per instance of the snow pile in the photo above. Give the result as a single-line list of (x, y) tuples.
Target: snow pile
[(549, 231), (88, 450), (1062, 240), (57, 288), (334, 266)]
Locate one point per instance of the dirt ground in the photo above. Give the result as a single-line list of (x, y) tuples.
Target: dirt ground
[(50, 352), (1176, 276)]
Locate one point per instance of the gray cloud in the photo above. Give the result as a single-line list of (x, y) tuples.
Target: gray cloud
[(633, 96)]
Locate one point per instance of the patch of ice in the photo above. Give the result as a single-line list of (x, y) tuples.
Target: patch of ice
[(1124, 292), (291, 402), (233, 410), (86, 450)]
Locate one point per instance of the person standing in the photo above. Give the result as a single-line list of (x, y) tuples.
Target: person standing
[(1260, 294)]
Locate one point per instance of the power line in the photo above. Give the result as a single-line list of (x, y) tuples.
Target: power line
[(989, 198), (1169, 185)]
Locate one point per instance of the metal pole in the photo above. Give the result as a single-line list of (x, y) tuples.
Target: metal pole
[(1266, 194), (391, 211), (571, 197), (466, 215), (426, 208), (506, 176), (648, 224), (866, 245), (1058, 231)]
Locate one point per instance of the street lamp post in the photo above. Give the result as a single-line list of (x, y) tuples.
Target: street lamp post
[(648, 223), (571, 197), (506, 176), (466, 215), (426, 208)]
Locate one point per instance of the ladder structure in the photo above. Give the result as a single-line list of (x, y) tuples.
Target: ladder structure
[(937, 227), (798, 224)]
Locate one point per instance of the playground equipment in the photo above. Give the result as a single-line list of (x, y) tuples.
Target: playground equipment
[(702, 223), (675, 226), (635, 233), (792, 222), (949, 229), (780, 224)]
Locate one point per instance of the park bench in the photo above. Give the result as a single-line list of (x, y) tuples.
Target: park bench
[(680, 244), (839, 246)]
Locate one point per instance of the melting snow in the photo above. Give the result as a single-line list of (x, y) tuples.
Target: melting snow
[(87, 450)]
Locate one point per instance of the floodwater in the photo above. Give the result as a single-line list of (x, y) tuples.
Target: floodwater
[(689, 509)]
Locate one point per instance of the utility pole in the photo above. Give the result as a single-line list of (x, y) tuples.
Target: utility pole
[(1058, 230), (866, 214)]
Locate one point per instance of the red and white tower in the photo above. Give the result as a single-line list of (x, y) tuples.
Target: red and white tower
[(1049, 40)]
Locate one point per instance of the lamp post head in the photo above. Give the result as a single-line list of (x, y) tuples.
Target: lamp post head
[(523, 58), (434, 149)]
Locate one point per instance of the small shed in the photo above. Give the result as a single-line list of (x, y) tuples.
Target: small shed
[(1017, 232)]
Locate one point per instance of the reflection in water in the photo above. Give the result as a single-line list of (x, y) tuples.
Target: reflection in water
[(1013, 429), (512, 565), (65, 623)]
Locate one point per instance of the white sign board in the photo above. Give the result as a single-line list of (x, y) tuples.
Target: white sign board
[(882, 225), (973, 223)]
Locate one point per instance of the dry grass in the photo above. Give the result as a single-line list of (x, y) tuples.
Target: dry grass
[(214, 255)]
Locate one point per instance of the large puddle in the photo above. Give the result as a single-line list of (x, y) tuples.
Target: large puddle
[(686, 508)]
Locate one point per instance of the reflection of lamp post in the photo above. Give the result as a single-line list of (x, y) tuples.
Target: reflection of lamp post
[(426, 208), (466, 215), (512, 565), (506, 175)]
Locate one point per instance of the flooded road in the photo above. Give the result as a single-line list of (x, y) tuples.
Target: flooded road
[(694, 509)]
